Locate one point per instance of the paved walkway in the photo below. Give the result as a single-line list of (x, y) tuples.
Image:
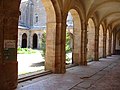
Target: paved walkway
[(98, 75)]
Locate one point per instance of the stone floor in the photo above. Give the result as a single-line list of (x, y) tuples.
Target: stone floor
[(98, 75)]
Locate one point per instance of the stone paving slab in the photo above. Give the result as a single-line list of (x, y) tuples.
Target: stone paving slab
[(57, 82), (92, 77), (111, 81)]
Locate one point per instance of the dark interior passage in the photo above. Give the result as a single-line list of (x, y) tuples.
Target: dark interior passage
[(24, 40), (35, 38)]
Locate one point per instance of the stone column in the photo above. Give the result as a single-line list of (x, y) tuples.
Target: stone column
[(55, 55), (1, 39), (50, 47), (76, 49), (1, 49), (39, 39), (9, 15), (29, 38), (60, 47), (114, 42), (104, 42), (9, 65), (96, 52), (110, 43), (76, 45), (84, 42), (20, 39)]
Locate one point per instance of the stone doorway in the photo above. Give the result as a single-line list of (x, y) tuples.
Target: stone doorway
[(35, 40), (24, 40)]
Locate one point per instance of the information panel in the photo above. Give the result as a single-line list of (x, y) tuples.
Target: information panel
[(9, 50)]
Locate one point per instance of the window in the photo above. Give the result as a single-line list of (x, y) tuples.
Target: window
[(36, 18)]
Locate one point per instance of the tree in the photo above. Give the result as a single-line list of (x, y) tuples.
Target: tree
[(68, 42), (43, 44)]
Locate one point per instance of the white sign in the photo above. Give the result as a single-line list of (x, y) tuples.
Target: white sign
[(9, 43)]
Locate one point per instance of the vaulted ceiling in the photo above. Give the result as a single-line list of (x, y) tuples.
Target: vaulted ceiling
[(104, 11), (107, 11)]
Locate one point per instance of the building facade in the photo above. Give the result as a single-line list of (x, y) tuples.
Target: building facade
[(32, 24)]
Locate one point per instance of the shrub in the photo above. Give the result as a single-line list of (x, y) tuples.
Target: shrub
[(43, 44), (25, 51), (67, 48)]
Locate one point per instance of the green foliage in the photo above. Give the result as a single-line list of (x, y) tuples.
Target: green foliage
[(68, 48), (67, 59), (25, 51), (89, 58), (43, 44)]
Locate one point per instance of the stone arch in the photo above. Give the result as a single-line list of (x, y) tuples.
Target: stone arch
[(52, 9), (35, 41), (53, 53), (91, 39), (101, 41), (24, 40), (76, 35), (99, 5)]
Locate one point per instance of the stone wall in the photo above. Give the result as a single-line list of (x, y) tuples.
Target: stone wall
[(30, 34)]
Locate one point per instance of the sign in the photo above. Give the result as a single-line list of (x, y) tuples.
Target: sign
[(10, 50), (9, 43)]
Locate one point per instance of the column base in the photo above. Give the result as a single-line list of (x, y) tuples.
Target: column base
[(8, 75)]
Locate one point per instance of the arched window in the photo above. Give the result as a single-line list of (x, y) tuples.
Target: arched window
[(36, 18)]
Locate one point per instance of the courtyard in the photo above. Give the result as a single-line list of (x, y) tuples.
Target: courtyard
[(28, 63), (34, 62)]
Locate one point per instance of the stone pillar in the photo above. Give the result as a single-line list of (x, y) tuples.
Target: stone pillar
[(39, 39), (29, 38), (104, 42), (9, 15), (55, 55), (96, 53), (8, 61), (84, 42), (1, 49), (114, 42), (76, 41), (20, 39), (76, 46), (50, 47), (1, 41), (60, 47), (110, 43)]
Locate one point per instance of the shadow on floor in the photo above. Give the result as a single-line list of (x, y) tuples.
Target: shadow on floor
[(117, 52), (39, 64)]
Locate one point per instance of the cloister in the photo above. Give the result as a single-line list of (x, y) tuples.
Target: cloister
[(96, 25)]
